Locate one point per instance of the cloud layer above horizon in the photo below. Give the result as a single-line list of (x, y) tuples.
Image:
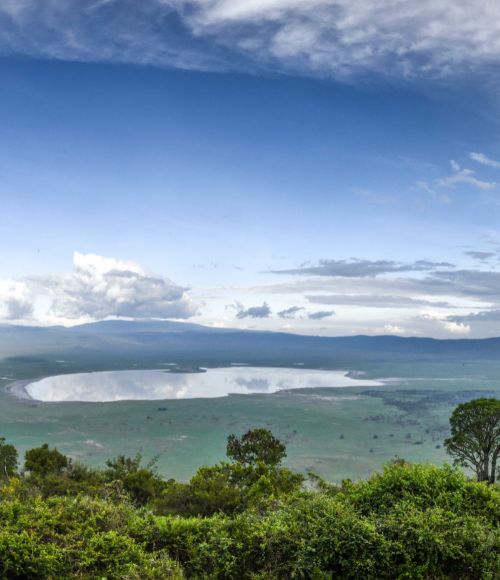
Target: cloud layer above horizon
[(273, 203), (336, 38), (364, 296)]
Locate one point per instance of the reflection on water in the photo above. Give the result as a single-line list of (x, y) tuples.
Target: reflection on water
[(159, 384)]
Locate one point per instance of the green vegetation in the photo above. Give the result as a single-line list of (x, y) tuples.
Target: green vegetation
[(248, 517), (8, 459), (475, 437), (254, 446)]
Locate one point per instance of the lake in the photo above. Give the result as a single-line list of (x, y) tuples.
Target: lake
[(167, 384)]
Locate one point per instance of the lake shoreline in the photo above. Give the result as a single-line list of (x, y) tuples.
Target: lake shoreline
[(18, 389), (140, 385)]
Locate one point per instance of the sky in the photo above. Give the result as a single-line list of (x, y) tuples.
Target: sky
[(326, 167)]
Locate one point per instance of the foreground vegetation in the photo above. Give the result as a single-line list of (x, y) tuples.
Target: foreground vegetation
[(247, 517)]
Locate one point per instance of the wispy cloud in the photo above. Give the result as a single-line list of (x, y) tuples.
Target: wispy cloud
[(439, 188), (358, 268), (375, 301), (461, 175), (428, 298), (480, 255), (323, 37), (484, 160), (320, 314)]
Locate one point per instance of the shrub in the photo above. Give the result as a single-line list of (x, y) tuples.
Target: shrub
[(79, 537)]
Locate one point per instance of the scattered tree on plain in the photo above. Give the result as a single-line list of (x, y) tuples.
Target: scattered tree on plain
[(256, 445), (475, 437)]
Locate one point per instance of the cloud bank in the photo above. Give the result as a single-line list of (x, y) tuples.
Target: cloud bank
[(321, 37), (426, 298), (97, 288)]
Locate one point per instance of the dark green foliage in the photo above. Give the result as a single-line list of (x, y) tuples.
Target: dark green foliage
[(248, 519), (8, 459), (79, 538), (227, 488), (409, 533), (42, 461), (254, 475), (75, 479), (475, 437), (256, 445), (142, 484), (53, 474), (425, 486)]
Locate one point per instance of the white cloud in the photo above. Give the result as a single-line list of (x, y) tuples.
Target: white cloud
[(484, 160), (433, 299), (459, 176), (467, 176), (16, 301), (337, 35), (456, 327), (325, 37), (393, 329), (449, 326), (101, 287)]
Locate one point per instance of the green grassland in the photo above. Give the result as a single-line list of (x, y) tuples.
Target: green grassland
[(337, 433)]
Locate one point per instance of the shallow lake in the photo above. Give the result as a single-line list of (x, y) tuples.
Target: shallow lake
[(168, 384)]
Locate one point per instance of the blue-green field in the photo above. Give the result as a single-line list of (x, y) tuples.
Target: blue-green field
[(336, 432)]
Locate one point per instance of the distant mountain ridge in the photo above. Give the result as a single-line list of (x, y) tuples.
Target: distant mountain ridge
[(184, 341), (127, 326)]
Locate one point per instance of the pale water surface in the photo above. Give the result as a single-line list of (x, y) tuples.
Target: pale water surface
[(165, 384)]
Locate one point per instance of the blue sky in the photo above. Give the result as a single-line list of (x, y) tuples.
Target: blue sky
[(261, 164)]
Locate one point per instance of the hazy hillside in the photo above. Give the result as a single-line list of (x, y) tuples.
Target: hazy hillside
[(185, 341)]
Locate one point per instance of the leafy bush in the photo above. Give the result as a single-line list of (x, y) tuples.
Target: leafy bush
[(409, 532), (227, 488), (424, 486), (141, 483), (247, 519), (79, 537), (42, 461)]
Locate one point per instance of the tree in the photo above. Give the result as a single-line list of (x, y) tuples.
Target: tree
[(475, 437), (254, 475), (42, 461), (8, 459), (141, 483), (254, 446)]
